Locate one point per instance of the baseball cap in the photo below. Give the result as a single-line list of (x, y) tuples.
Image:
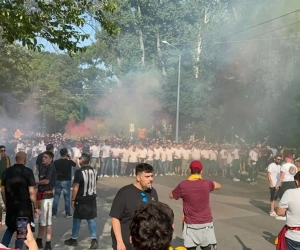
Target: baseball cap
[(196, 164)]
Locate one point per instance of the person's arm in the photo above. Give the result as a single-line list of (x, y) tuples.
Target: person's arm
[(282, 174), (283, 204), (32, 194), (176, 193), (217, 186), (116, 213), (3, 195), (48, 175)]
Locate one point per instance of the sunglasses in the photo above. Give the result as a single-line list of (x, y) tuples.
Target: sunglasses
[(144, 197)]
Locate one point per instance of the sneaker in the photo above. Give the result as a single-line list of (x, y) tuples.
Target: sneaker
[(68, 216), (253, 183), (280, 217), (48, 247), (39, 243), (116, 176), (106, 175), (53, 216), (71, 242), (273, 214), (249, 179), (101, 176), (94, 244), (236, 179)]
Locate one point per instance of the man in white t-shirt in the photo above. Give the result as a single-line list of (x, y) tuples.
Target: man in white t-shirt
[(115, 156), (105, 158), (287, 173), (289, 206), (274, 177), (169, 163), (253, 156), (124, 160), (142, 154), (95, 160)]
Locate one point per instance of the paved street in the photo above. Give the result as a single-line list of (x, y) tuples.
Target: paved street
[(240, 215)]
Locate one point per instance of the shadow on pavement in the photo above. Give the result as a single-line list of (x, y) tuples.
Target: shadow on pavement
[(244, 247), (265, 207), (176, 242), (269, 237)]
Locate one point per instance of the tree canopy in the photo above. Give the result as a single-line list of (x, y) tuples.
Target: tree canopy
[(59, 22), (239, 71)]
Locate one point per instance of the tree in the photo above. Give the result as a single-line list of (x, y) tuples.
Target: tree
[(59, 22)]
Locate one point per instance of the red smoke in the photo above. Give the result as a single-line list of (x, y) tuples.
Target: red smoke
[(88, 128)]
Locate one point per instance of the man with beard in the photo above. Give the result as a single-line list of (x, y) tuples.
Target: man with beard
[(125, 203)]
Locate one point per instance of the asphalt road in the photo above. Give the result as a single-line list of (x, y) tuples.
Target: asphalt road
[(240, 213)]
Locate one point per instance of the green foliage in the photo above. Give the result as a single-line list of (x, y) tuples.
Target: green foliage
[(59, 22)]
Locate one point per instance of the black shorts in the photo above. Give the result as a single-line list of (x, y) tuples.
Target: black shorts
[(274, 194)]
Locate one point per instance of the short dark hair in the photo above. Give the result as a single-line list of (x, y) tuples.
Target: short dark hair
[(152, 226), (297, 176), (86, 158), (63, 152), (2, 146), (49, 147), (143, 167), (50, 154)]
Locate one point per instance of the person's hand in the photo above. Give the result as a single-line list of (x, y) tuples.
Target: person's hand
[(37, 212), (73, 204), (30, 241), (121, 245)]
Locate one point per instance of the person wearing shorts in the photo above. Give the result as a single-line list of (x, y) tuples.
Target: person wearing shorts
[(46, 184), (273, 177)]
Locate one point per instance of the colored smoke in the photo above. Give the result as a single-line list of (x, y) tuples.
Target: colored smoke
[(86, 129)]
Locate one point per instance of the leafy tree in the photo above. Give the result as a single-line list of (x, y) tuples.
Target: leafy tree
[(59, 22)]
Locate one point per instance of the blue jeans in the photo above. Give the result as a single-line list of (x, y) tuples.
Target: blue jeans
[(7, 238), (65, 187), (162, 166), (292, 245), (105, 166), (114, 166), (91, 224)]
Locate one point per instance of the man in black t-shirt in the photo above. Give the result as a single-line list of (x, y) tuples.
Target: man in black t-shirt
[(46, 183), (84, 201), (63, 168), (39, 159), (19, 196), (125, 203)]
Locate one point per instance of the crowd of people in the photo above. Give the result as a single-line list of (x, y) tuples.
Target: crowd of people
[(58, 162)]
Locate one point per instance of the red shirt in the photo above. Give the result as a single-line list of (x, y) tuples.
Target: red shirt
[(195, 196)]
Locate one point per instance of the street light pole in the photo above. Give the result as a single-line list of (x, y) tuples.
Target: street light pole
[(178, 90)]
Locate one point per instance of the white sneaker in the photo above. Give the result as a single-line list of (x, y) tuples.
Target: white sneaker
[(101, 176), (160, 175), (106, 175), (116, 176), (248, 179), (273, 214), (236, 179), (130, 175), (280, 217)]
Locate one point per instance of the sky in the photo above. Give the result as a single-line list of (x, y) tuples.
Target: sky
[(87, 29)]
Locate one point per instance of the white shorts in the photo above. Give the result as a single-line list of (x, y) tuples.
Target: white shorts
[(46, 212)]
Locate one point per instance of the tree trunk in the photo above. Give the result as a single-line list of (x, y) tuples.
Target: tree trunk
[(141, 35), (159, 54)]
